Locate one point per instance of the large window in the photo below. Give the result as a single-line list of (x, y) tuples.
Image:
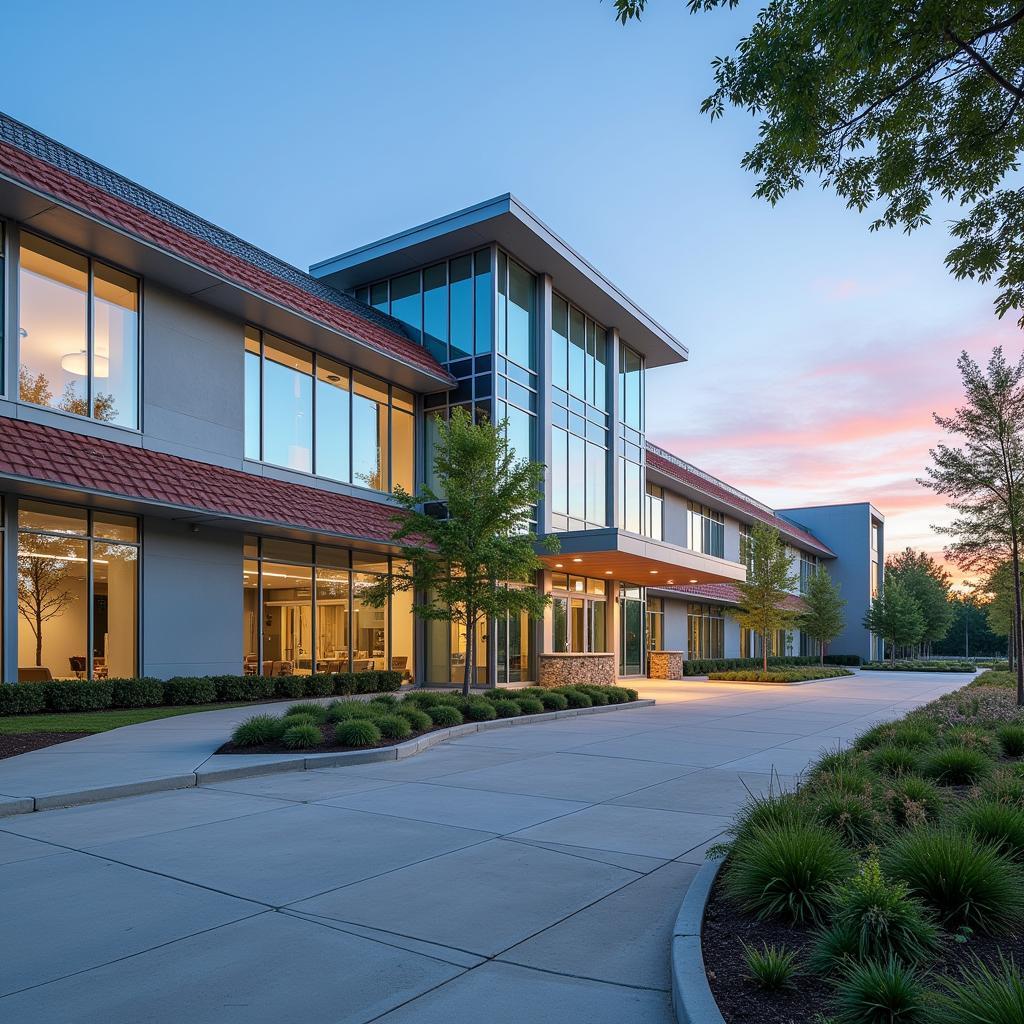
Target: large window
[(448, 306), (79, 334), (631, 441), (746, 547), (655, 624), (654, 517), (578, 614), (579, 432), (303, 611), (706, 628), (808, 567), (77, 593), (307, 412), (705, 530)]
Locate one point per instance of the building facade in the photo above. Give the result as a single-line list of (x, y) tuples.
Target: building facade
[(198, 442)]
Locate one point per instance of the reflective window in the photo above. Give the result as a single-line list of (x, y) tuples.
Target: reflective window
[(655, 512), (307, 412), (60, 608), (65, 361), (460, 296), (705, 530), (579, 621), (435, 311), (405, 301), (559, 342), (521, 299), (808, 567), (706, 631)]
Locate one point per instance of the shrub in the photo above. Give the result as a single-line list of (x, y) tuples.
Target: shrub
[(1011, 740), (302, 736), (786, 871), (421, 698), (319, 685), (780, 675), (914, 733), (771, 967), (773, 811), (444, 715), (616, 694), (507, 709), (367, 682), (530, 705), (631, 693), (22, 698), (889, 759), (394, 727), (871, 918), (389, 681), (136, 693), (851, 815), (969, 736), (957, 766), (880, 993), (387, 700), (75, 695), (845, 770), (289, 687), (875, 736), (477, 710), (358, 732), (342, 710), (575, 698), (418, 718), (239, 688), (317, 712), (552, 701), (1001, 825), (982, 995), (290, 720), (964, 881), (597, 694), (1005, 788), (911, 800), (190, 690), (256, 731)]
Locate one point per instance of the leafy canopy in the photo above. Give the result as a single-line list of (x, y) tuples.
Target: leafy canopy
[(890, 105), (928, 583), (895, 616), (822, 617)]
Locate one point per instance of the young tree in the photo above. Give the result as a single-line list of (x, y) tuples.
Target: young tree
[(895, 617), (889, 105), (43, 591), (983, 479), (463, 559), (769, 583), (928, 583), (822, 618), (999, 612)]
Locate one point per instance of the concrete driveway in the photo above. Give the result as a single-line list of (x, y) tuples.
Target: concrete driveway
[(522, 875)]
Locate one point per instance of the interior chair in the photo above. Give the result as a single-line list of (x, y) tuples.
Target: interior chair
[(77, 666)]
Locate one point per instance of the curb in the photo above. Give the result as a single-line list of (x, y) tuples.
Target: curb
[(692, 1000), (10, 806)]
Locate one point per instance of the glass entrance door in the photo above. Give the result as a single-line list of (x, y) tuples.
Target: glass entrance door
[(631, 640)]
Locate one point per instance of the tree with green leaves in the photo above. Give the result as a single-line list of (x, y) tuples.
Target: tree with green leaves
[(999, 612), (769, 584), (822, 616), (464, 562), (928, 583), (983, 478), (895, 616), (890, 105)]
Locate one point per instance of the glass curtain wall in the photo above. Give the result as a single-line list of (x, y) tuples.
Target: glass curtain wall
[(303, 611), (705, 529), (631, 435), (706, 631), (579, 617), (808, 567), (77, 593), (632, 646), (78, 328), (655, 624), (307, 412), (654, 515), (579, 418)]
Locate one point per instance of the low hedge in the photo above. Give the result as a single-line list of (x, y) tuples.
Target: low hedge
[(704, 666), (789, 675), (66, 695), (920, 666)]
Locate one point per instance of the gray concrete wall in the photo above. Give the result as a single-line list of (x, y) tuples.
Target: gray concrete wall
[(675, 519), (846, 529), (732, 637), (191, 602), (675, 624)]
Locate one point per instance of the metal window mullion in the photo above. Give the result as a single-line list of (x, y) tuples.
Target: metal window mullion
[(313, 624), (90, 317), (90, 602)]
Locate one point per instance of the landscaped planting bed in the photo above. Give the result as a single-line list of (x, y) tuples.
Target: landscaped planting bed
[(920, 666), (386, 720), (782, 675), (890, 886), (702, 666)]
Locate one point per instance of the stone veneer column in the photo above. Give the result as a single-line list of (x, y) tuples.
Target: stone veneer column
[(567, 669), (666, 664)]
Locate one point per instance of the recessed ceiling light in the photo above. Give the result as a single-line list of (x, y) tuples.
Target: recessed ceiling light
[(693, 581), (577, 559), (607, 572), (558, 565), (670, 581), (653, 572)]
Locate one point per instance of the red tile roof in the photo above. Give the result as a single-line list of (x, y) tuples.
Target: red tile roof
[(69, 190), (725, 593), (725, 496), (31, 451)]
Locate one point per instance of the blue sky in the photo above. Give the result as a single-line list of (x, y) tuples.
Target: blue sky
[(818, 349)]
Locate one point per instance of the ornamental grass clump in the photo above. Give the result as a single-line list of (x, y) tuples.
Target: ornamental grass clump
[(771, 967), (872, 918), (417, 717), (881, 993), (444, 715), (967, 883), (911, 801), (957, 766), (1001, 825), (357, 732), (553, 701), (875, 736), (1011, 740), (317, 712), (1005, 787), (530, 705), (478, 710), (302, 736), (507, 709), (575, 698), (393, 727), (786, 871), (890, 759), (851, 815), (256, 731), (982, 995)]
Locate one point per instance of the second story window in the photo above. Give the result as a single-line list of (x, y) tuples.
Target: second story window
[(655, 512), (746, 550), (78, 329), (306, 412), (808, 567), (705, 530)]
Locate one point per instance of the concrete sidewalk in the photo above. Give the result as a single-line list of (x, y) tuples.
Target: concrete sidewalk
[(522, 875)]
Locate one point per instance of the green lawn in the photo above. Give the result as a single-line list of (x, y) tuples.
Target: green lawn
[(97, 721)]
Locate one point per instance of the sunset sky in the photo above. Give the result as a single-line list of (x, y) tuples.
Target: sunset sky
[(818, 350)]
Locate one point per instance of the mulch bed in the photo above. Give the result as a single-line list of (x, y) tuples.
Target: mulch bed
[(742, 1002), (327, 747), (22, 742)]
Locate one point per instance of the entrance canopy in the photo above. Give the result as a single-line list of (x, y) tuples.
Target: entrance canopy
[(617, 555)]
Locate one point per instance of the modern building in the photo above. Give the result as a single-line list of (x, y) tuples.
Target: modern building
[(198, 442)]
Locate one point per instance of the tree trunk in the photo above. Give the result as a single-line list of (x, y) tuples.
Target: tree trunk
[(470, 652), (1017, 649), (821, 651), (764, 651), (39, 637)]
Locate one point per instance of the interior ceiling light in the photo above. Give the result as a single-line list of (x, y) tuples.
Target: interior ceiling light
[(577, 559), (558, 565), (78, 364), (693, 581)]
